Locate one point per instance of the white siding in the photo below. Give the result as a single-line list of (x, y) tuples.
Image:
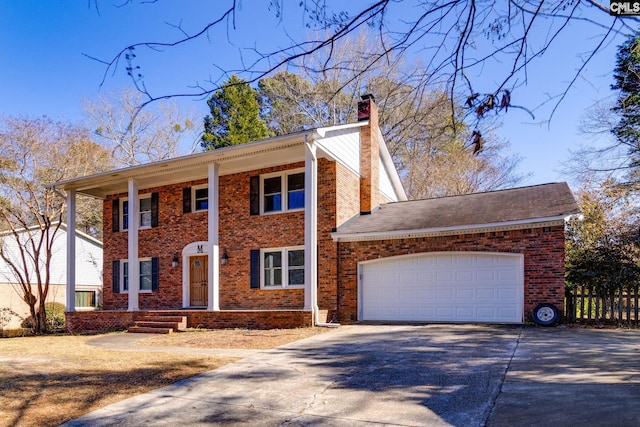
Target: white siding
[(386, 188), (88, 271), (344, 146)]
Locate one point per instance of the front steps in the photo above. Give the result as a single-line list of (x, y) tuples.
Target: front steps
[(158, 324)]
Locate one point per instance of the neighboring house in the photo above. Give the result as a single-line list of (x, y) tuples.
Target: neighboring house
[(88, 264), (315, 227)]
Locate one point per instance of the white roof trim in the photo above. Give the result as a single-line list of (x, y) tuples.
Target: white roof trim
[(450, 231), (54, 223), (323, 131)]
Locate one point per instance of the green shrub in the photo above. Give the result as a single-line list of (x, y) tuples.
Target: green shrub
[(55, 315)]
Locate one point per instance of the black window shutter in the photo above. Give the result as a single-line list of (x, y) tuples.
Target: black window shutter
[(186, 200), (154, 209), (115, 215), (154, 273), (254, 196), (255, 269), (115, 268)]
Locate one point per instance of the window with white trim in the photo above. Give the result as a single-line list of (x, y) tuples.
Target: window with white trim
[(282, 191), (86, 299), (282, 268), (146, 276), (145, 212), (200, 197)]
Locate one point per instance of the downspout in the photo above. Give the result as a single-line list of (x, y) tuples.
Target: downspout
[(312, 224)]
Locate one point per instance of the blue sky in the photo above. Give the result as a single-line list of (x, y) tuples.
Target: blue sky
[(45, 71)]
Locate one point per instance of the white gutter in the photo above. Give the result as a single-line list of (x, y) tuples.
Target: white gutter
[(311, 230)]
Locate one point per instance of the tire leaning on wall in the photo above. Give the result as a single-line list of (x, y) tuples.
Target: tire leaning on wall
[(546, 314)]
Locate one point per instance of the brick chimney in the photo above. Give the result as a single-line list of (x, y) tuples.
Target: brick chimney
[(369, 155)]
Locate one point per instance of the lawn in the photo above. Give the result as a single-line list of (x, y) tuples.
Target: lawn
[(47, 380)]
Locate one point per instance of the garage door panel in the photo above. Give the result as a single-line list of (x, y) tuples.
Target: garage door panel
[(486, 294), (452, 287)]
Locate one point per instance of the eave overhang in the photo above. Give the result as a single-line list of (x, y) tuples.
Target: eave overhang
[(254, 155), (451, 231)]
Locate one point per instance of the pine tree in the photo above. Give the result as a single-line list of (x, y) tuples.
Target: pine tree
[(627, 82), (235, 116)]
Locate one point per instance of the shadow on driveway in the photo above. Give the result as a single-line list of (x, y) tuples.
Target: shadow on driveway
[(424, 375)]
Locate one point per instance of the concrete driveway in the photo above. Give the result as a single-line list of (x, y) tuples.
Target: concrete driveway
[(401, 375)]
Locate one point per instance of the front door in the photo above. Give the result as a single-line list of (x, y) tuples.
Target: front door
[(198, 280)]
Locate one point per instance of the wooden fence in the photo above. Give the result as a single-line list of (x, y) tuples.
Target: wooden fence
[(603, 305)]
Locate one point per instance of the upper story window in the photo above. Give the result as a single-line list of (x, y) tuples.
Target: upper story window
[(148, 211), (200, 198), (282, 192), (145, 212), (195, 199)]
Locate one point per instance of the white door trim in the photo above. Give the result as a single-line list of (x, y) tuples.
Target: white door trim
[(195, 248)]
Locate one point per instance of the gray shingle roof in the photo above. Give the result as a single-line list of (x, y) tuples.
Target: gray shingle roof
[(517, 204)]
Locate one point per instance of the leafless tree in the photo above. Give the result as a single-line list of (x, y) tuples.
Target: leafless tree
[(134, 137), (435, 152), (459, 42), (35, 153)]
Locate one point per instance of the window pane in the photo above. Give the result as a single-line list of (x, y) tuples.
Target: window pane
[(202, 193), (125, 214), (273, 194), (272, 259), (145, 219), (201, 199), (125, 276), (273, 277), (296, 258), (202, 205), (273, 269), (85, 299), (295, 182), (145, 267), (273, 185), (145, 212), (296, 276), (145, 205), (273, 203), (296, 200), (295, 190), (145, 283), (145, 275)]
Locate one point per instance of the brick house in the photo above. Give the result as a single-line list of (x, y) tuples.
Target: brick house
[(315, 227)]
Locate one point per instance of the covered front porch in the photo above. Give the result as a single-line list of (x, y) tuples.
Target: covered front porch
[(114, 320)]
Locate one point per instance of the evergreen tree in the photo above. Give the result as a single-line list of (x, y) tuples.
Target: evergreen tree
[(627, 81), (235, 116)]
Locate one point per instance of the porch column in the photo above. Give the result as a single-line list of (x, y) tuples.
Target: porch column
[(71, 250), (310, 226), (213, 302), (132, 234)]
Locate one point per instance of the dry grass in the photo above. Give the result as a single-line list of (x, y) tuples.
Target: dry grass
[(232, 338), (45, 381)]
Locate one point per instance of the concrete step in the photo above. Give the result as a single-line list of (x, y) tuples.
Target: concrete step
[(162, 318), (148, 330), (157, 324), (178, 323)]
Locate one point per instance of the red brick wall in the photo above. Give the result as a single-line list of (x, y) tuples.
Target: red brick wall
[(370, 161), (98, 321), (543, 250), (347, 194), (239, 233)]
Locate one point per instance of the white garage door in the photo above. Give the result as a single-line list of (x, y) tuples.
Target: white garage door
[(444, 287)]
